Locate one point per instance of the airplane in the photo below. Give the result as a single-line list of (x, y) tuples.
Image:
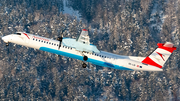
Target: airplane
[(81, 49)]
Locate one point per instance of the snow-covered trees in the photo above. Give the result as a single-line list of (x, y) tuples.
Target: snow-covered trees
[(131, 27)]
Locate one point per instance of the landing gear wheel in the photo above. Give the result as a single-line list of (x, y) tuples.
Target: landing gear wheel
[(84, 65), (7, 44), (85, 58)]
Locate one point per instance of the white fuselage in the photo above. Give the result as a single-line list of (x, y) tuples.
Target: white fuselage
[(105, 59)]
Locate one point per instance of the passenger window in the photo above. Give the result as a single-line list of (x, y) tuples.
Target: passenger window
[(42, 41), (39, 40), (33, 38), (52, 43), (49, 42), (36, 39)]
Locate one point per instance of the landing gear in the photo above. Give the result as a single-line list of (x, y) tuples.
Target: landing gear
[(84, 65), (85, 58), (7, 44)]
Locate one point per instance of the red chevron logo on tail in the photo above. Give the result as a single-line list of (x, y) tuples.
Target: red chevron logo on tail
[(160, 55)]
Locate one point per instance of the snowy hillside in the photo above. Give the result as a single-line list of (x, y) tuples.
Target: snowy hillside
[(130, 27)]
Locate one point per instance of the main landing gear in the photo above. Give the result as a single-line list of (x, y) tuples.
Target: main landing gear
[(85, 58), (84, 65)]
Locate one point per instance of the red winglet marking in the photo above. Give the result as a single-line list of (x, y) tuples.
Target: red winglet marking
[(26, 35), (149, 61), (85, 30), (160, 55)]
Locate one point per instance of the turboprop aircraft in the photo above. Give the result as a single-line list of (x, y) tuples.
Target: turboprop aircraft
[(81, 49)]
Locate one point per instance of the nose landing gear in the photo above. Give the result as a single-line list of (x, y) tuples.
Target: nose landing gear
[(7, 44)]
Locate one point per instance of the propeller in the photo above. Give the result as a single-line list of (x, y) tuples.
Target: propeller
[(60, 39)]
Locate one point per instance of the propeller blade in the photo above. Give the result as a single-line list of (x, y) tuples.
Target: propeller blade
[(59, 44), (60, 41), (60, 38)]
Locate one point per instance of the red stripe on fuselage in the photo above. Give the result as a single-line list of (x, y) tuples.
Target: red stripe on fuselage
[(26, 35)]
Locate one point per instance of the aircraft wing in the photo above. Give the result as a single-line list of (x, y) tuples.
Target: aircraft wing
[(82, 43), (84, 37)]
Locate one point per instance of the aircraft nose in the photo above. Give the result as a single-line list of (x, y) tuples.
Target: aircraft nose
[(5, 39)]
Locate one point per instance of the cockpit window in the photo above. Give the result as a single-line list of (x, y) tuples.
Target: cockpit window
[(18, 33)]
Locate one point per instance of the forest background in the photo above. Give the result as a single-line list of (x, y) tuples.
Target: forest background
[(124, 27)]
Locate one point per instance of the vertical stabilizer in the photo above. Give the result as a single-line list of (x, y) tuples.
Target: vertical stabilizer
[(160, 55), (84, 37)]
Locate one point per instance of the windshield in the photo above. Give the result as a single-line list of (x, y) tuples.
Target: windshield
[(18, 33)]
